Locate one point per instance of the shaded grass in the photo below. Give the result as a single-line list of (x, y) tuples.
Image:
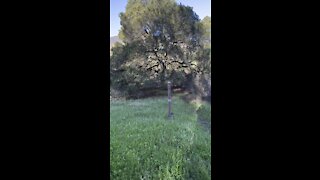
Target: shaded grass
[(145, 145)]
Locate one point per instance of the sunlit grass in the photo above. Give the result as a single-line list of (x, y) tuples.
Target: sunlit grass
[(144, 144)]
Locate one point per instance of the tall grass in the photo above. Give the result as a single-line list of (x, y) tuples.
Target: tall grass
[(144, 144)]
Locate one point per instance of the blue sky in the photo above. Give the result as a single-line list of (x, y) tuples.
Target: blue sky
[(201, 7)]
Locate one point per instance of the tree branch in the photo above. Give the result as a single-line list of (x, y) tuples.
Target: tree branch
[(150, 68)]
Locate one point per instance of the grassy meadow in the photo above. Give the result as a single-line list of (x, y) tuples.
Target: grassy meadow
[(144, 144)]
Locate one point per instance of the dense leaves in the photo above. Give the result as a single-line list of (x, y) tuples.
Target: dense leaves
[(163, 41)]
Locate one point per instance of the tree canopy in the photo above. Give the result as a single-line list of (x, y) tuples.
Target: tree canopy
[(162, 40)]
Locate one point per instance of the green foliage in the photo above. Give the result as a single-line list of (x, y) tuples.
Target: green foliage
[(204, 112), (167, 35), (163, 41), (205, 53), (206, 23), (144, 144)]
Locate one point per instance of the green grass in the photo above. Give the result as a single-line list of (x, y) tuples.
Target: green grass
[(145, 145)]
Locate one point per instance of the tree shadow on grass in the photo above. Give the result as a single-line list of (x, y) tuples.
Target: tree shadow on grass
[(147, 93)]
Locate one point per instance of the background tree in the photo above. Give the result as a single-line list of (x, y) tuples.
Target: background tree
[(206, 23)]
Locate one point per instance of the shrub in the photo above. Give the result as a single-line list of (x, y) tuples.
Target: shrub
[(204, 112)]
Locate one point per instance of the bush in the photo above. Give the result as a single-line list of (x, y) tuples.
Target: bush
[(200, 87), (115, 94), (204, 112)]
